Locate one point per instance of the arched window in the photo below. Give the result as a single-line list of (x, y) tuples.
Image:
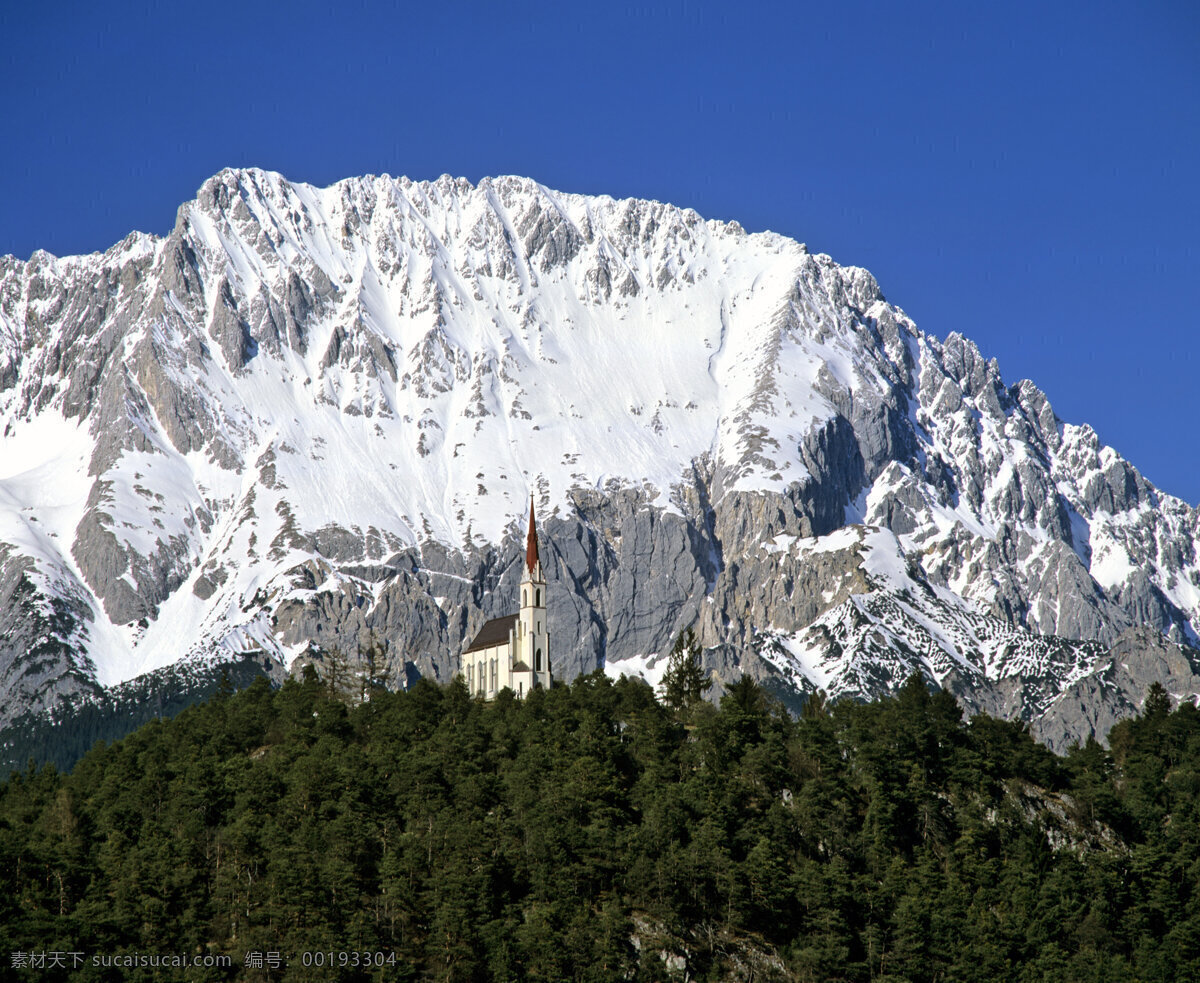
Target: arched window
[(537, 598), (493, 673), (537, 661), (524, 598)]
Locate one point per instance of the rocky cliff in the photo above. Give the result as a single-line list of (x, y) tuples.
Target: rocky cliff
[(307, 418)]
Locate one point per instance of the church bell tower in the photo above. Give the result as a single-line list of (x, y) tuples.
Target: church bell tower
[(533, 635)]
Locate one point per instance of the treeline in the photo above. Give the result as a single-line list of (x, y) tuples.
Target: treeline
[(76, 723), (591, 833)]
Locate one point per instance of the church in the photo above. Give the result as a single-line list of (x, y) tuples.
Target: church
[(513, 650)]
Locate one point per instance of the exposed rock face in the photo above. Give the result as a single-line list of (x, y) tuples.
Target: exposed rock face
[(41, 639), (1116, 686), (311, 418)]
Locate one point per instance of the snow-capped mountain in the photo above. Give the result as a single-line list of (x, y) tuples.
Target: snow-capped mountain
[(307, 416)]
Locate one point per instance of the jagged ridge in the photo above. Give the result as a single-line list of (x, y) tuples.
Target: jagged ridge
[(307, 414)]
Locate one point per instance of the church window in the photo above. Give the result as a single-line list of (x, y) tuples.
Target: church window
[(537, 598), (537, 661), (493, 673), (524, 598)]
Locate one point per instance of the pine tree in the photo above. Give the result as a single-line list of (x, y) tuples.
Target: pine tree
[(1158, 702), (338, 674), (684, 683), (372, 655)]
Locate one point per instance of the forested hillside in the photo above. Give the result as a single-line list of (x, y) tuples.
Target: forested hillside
[(591, 833), (65, 734)]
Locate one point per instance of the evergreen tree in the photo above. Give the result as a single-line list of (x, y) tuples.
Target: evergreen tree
[(584, 833), (372, 656), (1158, 701), (684, 683)]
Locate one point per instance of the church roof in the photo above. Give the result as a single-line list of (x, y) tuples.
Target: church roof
[(531, 549), (494, 632)]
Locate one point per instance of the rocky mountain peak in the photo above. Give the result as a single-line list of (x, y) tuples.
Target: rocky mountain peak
[(310, 414)]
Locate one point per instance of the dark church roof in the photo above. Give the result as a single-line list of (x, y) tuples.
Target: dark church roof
[(531, 549), (494, 632)]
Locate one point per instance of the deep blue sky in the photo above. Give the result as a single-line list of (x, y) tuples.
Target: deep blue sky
[(1023, 173)]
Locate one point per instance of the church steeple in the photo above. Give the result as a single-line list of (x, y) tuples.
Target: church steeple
[(532, 641), (531, 545)]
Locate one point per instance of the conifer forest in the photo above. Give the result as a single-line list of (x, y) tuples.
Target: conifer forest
[(592, 832)]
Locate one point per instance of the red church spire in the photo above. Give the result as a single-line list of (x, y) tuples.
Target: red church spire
[(531, 549)]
